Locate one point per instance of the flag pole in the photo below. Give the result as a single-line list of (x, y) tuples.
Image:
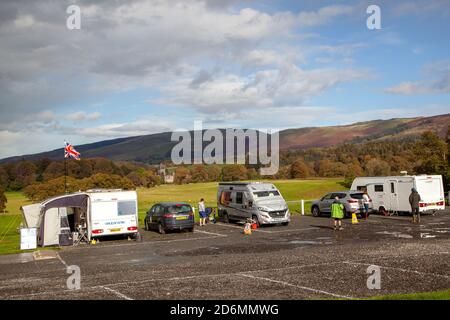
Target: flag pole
[(65, 175), (65, 170)]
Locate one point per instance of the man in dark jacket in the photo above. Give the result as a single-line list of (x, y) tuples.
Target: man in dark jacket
[(414, 199)]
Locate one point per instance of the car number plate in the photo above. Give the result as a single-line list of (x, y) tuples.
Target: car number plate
[(115, 230), (182, 218)]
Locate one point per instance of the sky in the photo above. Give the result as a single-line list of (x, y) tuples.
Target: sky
[(140, 67)]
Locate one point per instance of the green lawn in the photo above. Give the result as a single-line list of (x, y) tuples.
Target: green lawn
[(435, 295)]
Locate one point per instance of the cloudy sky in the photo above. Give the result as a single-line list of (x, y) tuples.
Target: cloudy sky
[(139, 67)]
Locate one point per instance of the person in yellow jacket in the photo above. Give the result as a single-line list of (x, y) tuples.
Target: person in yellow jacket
[(337, 213)]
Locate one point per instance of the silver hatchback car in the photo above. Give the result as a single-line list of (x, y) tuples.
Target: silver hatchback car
[(352, 201)]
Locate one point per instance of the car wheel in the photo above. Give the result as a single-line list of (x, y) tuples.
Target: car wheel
[(315, 211), (226, 219), (161, 229), (346, 214), (191, 229)]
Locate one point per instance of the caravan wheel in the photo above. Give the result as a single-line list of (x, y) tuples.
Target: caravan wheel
[(383, 211)]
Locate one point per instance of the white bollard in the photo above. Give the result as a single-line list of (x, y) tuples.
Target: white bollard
[(303, 207)]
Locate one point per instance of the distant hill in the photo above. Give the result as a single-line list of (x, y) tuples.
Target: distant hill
[(154, 148)]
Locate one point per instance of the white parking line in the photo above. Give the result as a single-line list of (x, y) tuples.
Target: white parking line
[(295, 286), (211, 233), (117, 293)]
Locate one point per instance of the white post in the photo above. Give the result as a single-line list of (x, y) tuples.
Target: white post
[(303, 207)]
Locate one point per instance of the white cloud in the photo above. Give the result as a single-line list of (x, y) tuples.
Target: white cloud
[(439, 82), (83, 116)]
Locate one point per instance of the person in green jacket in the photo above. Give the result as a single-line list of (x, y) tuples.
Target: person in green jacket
[(337, 213)]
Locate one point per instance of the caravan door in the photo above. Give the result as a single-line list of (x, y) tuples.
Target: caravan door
[(393, 195)]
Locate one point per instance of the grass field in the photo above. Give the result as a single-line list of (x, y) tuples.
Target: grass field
[(292, 190), (435, 295)]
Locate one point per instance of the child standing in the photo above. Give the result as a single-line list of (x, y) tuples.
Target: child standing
[(202, 212), (337, 213)]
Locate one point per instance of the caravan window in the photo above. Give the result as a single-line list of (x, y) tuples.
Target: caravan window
[(239, 196), (392, 188), (126, 208), (225, 197), (379, 188)]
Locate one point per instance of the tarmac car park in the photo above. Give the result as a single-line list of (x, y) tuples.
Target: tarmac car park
[(304, 260)]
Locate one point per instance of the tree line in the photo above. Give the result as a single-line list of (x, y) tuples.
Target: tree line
[(43, 178)]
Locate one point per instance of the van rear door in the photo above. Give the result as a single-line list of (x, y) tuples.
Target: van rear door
[(431, 192)]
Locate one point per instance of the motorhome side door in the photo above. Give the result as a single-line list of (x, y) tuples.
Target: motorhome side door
[(393, 194)]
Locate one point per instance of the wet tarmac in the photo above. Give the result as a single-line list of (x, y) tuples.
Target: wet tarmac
[(305, 260)]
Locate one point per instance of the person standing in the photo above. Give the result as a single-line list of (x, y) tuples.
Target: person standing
[(337, 213), (202, 212), (414, 199), (366, 203)]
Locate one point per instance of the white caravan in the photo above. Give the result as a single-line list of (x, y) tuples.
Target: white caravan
[(391, 194), (94, 213)]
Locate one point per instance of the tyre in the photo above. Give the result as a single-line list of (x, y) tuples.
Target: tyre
[(190, 230), (315, 211), (161, 229), (226, 219), (346, 214)]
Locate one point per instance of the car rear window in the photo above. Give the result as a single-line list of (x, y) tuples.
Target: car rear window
[(262, 194), (358, 196), (182, 208)]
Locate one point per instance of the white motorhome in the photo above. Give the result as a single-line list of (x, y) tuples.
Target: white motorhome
[(90, 214), (262, 202), (391, 194)]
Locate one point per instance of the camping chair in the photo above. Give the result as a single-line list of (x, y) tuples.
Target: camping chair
[(81, 235), (211, 212)]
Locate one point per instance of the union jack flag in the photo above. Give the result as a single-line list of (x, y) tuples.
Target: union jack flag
[(69, 151)]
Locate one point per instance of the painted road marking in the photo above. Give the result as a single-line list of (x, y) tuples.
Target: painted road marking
[(295, 286), (117, 293), (211, 233)]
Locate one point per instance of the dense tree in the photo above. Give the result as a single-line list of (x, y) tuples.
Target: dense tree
[(4, 178), (299, 170), (234, 172), (199, 173), (3, 199), (24, 174), (182, 175), (377, 167), (432, 154), (53, 171)]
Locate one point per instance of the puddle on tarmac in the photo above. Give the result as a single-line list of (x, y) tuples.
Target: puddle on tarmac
[(397, 234), (304, 242)]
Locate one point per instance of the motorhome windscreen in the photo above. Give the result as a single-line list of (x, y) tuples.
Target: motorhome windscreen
[(126, 208), (263, 194), (184, 208)]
